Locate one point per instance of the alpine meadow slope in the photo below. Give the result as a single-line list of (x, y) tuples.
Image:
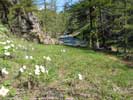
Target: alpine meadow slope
[(29, 68)]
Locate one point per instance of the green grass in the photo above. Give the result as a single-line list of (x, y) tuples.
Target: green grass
[(104, 77)]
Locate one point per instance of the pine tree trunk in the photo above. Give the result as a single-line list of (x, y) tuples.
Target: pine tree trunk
[(4, 13)]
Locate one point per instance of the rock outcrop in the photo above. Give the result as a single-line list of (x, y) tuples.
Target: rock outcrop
[(24, 24)]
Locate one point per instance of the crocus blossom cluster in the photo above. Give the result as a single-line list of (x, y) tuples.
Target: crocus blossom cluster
[(3, 91), (6, 53), (22, 69), (8, 45), (28, 57), (40, 69), (6, 42), (47, 58), (3, 43)]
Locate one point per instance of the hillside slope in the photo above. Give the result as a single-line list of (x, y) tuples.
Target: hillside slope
[(60, 72)]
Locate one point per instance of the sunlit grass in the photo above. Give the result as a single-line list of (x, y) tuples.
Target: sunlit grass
[(103, 76)]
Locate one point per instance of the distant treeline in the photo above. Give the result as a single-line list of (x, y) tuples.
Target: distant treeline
[(103, 23)]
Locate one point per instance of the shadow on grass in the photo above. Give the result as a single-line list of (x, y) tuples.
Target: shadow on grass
[(86, 49), (128, 63)]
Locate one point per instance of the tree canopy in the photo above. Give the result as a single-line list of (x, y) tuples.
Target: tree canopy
[(103, 23)]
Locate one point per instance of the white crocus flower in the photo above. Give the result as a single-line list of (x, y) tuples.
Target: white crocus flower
[(7, 47), (37, 66), (80, 77), (48, 58), (26, 57), (3, 91), (31, 57), (7, 53), (44, 57), (32, 48), (30, 73), (4, 71), (39, 69), (21, 70), (3, 43), (24, 67), (12, 45), (37, 72), (8, 41)]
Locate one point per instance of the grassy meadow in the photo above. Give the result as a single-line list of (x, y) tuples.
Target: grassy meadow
[(67, 73)]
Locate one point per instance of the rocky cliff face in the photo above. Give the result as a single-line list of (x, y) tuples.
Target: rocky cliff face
[(24, 24)]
